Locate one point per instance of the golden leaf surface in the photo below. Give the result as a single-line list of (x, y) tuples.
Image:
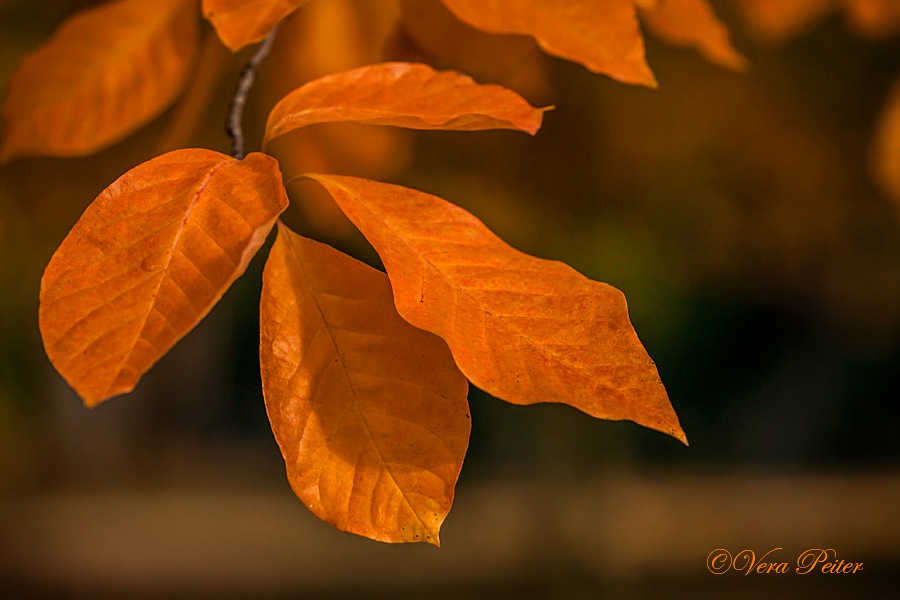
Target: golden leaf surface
[(403, 95), (147, 261), (242, 22), (103, 73), (370, 412), (522, 328), (603, 36), (692, 23)]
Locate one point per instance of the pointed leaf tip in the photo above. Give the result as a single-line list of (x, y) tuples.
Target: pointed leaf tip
[(148, 259), (522, 328), (403, 95), (692, 23), (370, 413), (604, 36)]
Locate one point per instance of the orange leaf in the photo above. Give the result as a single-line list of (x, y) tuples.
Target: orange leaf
[(604, 36), (103, 74), (779, 20), (874, 18), (330, 37), (692, 23), (370, 412), (404, 95), (242, 22), (522, 328), (148, 259), (513, 61)]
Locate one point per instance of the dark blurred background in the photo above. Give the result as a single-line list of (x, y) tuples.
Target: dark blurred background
[(738, 213)]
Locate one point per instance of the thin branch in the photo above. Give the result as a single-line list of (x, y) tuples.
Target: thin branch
[(236, 111)]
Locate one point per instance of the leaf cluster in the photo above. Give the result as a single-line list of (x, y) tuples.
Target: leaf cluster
[(364, 373)]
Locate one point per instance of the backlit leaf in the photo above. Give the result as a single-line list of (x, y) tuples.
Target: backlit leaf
[(431, 30), (148, 259), (604, 36), (325, 38), (242, 22), (369, 411), (522, 328), (103, 74), (404, 95), (691, 23)]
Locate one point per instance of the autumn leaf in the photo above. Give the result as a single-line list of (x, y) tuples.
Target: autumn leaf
[(778, 20), (188, 114), (691, 23), (875, 19), (431, 33), (404, 95), (148, 259), (325, 38), (103, 74), (370, 413), (522, 328), (242, 22), (603, 36)]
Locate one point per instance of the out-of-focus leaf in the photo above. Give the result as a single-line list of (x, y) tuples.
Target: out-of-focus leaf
[(369, 411), (404, 95), (148, 260), (691, 23), (431, 30), (779, 20), (103, 74), (191, 109), (522, 328), (604, 36), (874, 18), (242, 22)]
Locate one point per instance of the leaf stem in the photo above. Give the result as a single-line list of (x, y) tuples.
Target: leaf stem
[(233, 125)]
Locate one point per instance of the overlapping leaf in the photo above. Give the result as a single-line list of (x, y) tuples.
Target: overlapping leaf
[(430, 30), (524, 329), (370, 412), (242, 22), (691, 23), (331, 37), (148, 259), (604, 36), (404, 95), (104, 73)]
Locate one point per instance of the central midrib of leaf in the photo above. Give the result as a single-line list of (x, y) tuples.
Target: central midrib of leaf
[(362, 413), (165, 270)]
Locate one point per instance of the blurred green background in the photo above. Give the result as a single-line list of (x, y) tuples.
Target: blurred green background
[(762, 269)]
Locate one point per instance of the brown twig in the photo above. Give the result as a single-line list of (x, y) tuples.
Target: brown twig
[(236, 110)]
